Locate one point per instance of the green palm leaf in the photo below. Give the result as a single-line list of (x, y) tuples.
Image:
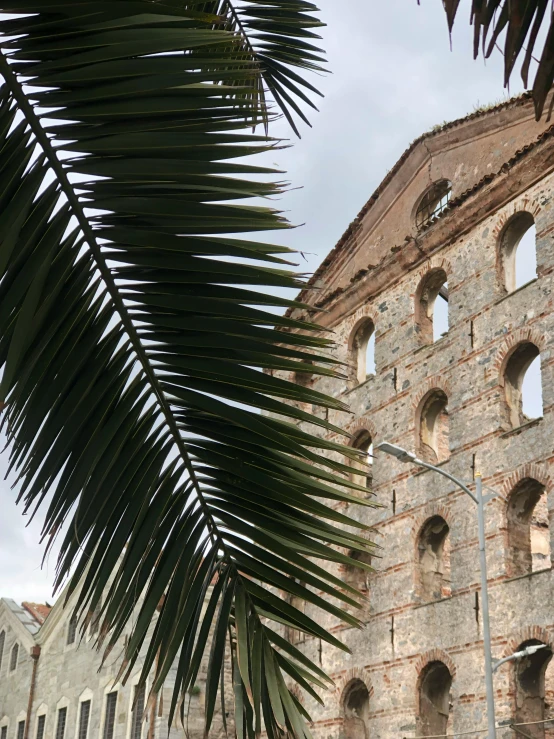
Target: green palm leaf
[(134, 329)]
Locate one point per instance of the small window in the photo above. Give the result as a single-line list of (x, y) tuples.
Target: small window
[(14, 657), (60, 724), (84, 715), (433, 204), (434, 700), (137, 712), (434, 560), (364, 444), (41, 721), (72, 629), (355, 576), (363, 352), (528, 530), (2, 642), (4, 732), (109, 717), (431, 307), (434, 427), (95, 619), (523, 385), (20, 729), (356, 711), (294, 636), (518, 257)]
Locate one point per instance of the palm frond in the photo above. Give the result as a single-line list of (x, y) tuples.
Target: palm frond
[(134, 328)]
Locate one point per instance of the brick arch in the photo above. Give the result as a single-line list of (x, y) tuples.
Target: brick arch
[(429, 510), (430, 384), (517, 337), (524, 204), (533, 470), (346, 678), (525, 634), (433, 655), (363, 315), (435, 263), (360, 424)]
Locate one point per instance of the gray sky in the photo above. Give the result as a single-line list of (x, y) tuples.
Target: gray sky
[(394, 77)]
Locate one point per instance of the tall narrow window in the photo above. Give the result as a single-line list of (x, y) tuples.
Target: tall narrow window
[(363, 352), (528, 532), (4, 732), (41, 721), (60, 724), (530, 690), (434, 699), (20, 729), (364, 474), (355, 576), (523, 385), (434, 560), (356, 711), (137, 712), (14, 657), (433, 425), (84, 715), (95, 619), (109, 716), (2, 642), (518, 251), (431, 307), (72, 629)]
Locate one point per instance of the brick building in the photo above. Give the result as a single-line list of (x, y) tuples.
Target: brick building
[(451, 230)]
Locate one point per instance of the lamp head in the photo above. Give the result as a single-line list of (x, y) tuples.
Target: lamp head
[(396, 451)]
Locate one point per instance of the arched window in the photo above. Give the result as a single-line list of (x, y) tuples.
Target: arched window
[(363, 352), (364, 443), (433, 427), (530, 673), (433, 576), (434, 699), (355, 576), (431, 307), (523, 385), (2, 642), (72, 629), (528, 532), (433, 203), (14, 657), (518, 251), (356, 711)]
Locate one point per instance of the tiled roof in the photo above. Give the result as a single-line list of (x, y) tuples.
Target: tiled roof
[(39, 611)]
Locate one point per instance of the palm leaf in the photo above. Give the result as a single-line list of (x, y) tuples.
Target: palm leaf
[(134, 329), (516, 24)]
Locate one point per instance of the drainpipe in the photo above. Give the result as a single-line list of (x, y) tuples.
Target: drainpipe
[(35, 654)]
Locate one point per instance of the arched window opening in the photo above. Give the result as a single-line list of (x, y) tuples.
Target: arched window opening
[(434, 427), (294, 636), (434, 700), (2, 643), (433, 203), (72, 629), (519, 251), (431, 307), (434, 560), (364, 444), (530, 673), (523, 385), (528, 532), (356, 711), (355, 576), (363, 352), (14, 657)]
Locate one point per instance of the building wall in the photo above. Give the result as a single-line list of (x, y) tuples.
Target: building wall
[(401, 632), (14, 684)]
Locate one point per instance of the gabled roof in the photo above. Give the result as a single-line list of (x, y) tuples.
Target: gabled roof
[(31, 624)]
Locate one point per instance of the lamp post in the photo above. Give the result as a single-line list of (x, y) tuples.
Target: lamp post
[(404, 456)]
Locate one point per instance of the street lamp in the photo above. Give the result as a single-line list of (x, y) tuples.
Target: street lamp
[(479, 499), (527, 652)]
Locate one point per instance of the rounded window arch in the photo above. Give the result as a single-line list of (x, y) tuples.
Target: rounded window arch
[(356, 710), (528, 528), (433, 580), (431, 307), (432, 203), (355, 576), (523, 384), (518, 251), (362, 352), (432, 426), (364, 474), (435, 702), (533, 677)]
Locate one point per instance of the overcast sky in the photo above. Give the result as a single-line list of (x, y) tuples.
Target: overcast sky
[(394, 77)]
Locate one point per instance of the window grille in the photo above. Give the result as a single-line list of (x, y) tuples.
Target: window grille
[(4, 732), (433, 203), (60, 728), (2, 642), (40, 726), (21, 730), (138, 710), (14, 657), (109, 718), (83, 720), (72, 630)]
